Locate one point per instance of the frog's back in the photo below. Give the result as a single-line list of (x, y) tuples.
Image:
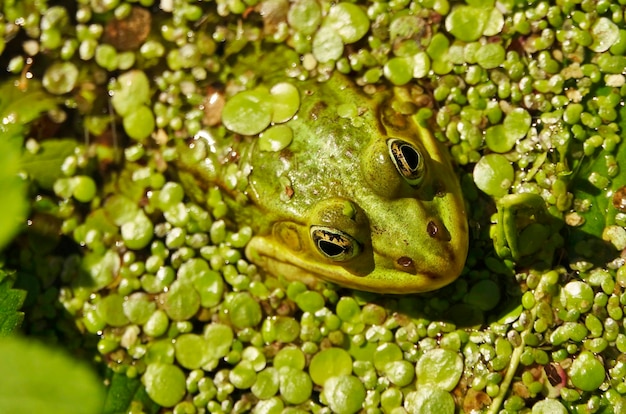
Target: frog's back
[(330, 135)]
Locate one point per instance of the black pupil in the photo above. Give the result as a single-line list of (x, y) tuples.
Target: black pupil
[(410, 156), (330, 248)]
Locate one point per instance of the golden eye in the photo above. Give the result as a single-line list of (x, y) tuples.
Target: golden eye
[(408, 161), (334, 244)]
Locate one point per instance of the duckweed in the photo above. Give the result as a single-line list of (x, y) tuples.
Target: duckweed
[(345, 394), (305, 16), (138, 308), (140, 123), (275, 138), (467, 23), (84, 188), (165, 383), (191, 352), (60, 78), (440, 368), (266, 384), (131, 91), (327, 45), (286, 101), (137, 233), (248, 112), (429, 400), (219, 339), (587, 372), (528, 98), (295, 385), (290, 356), (331, 362), (493, 174)]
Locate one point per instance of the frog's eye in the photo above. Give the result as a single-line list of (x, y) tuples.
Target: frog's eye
[(408, 161), (334, 244)]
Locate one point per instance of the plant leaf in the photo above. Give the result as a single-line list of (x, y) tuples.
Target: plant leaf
[(22, 106), (13, 203), (38, 379), (124, 392), (586, 239), (11, 301), (18, 107), (44, 166)]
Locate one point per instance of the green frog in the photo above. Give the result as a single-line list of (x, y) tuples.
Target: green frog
[(362, 196)]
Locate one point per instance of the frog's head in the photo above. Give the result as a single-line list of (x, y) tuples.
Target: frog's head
[(373, 205)]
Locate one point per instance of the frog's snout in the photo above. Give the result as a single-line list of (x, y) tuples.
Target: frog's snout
[(435, 230), (412, 255)]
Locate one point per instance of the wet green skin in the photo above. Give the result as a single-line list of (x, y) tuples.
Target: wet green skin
[(338, 173)]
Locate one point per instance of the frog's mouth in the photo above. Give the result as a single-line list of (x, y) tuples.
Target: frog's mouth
[(400, 275)]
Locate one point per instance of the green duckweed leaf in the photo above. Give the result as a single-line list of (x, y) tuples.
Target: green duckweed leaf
[(329, 363), (248, 112), (165, 383), (493, 174), (467, 23), (429, 399), (587, 372), (349, 21), (441, 368), (605, 34)]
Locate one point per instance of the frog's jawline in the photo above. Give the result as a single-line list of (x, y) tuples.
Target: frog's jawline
[(278, 261)]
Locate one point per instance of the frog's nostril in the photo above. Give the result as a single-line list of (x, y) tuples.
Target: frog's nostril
[(437, 231), (432, 229), (406, 264)]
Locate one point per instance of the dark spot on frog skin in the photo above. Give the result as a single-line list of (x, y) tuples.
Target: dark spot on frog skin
[(406, 264)]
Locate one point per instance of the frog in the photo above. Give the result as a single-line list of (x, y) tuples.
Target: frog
[(368, 201)]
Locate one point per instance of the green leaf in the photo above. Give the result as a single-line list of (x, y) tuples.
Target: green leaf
[(38, 379), (44, 166), (13, 203), (125, 392), (11, 301), (602, 212), (18, 107), (22, 106), (586, 240)]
